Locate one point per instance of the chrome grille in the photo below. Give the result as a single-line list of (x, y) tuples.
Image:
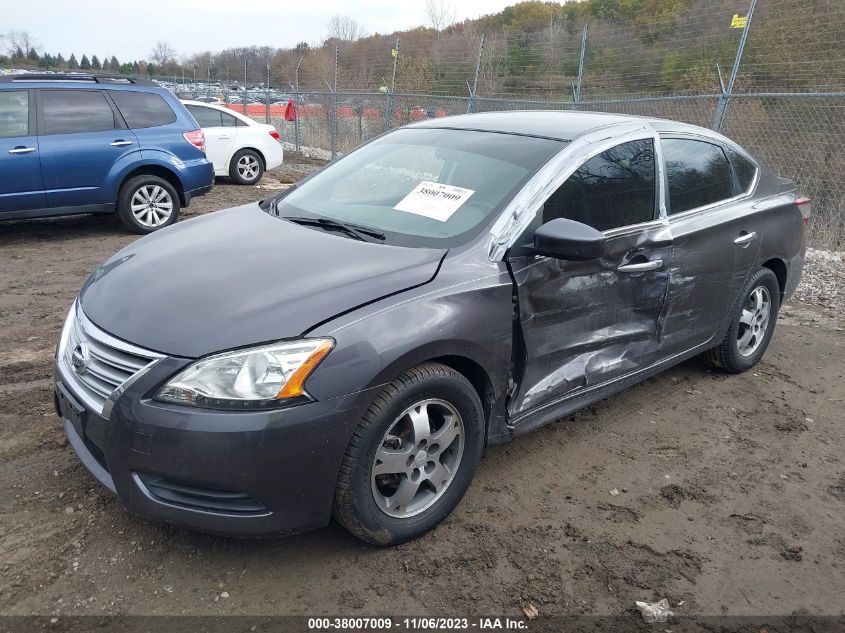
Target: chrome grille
[(94, 363)]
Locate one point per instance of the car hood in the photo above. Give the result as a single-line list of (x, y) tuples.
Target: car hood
[(241, 277)]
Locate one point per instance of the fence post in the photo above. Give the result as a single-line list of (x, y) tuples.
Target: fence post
[(722, 107), (267, 95), (388, 110), (334, 103), (576, 87), (472, 93), (245, 86), (296, 104)]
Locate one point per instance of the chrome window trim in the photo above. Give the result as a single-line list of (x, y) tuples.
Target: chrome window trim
[(722, 144), (525, 205)]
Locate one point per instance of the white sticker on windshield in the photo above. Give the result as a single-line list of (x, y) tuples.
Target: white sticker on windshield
[(433, 200)]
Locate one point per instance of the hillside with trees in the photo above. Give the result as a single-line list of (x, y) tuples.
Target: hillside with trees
[(530, 49)]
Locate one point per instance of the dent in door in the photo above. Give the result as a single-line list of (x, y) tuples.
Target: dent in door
[(585, 322)]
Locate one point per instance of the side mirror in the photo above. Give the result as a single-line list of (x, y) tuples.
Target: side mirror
[(568, 239)]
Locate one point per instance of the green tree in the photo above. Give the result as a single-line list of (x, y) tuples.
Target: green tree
[(95, 63), (85, 64), (60, 61), (32, 54), (72, 63), (115, 65)]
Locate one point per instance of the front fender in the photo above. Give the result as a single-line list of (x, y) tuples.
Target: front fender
[(375, 344)]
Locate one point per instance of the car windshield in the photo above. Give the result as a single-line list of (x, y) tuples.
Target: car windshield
[(419, 186)]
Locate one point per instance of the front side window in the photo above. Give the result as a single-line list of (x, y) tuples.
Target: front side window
[(611, 190), (206, 117), (143, 109), (69, 111), (14, 113), (422, 187), (698, 173)]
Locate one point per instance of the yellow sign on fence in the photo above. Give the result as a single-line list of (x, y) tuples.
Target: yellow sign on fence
[(738, 21)]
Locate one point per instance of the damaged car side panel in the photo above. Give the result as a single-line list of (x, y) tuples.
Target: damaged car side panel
[(588, 322)]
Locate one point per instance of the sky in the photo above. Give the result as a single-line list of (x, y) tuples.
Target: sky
[(130, 29)]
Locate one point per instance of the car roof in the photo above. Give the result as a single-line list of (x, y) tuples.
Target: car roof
[(562, 126), (222, 107)]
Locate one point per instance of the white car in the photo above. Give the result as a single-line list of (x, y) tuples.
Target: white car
[(238, 146)]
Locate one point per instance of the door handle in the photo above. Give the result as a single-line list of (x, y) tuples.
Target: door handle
[(642, 267), (120, 143), (745, 238), (21, 150), (224, 136)]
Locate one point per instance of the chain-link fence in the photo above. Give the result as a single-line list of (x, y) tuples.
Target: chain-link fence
[(770, 75)]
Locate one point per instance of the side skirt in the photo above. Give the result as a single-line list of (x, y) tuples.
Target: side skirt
[(54, 211)]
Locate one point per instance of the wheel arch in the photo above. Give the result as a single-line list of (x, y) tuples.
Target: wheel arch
[(159, 171), (778, 267), (254, 149)]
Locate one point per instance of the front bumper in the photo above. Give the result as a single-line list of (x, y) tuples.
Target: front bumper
[(233, 473)]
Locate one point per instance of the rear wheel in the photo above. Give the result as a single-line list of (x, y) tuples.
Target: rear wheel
[(246, 167), (147, 203), (752, 326), (412, 457)]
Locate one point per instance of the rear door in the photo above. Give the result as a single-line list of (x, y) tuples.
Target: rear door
[(84, 145), (586, 323), (220, 133), (21, 186), (716, 239)]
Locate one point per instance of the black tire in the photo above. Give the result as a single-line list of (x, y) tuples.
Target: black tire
[(256, 162), (133, 186), (355, 505), (727, 356)]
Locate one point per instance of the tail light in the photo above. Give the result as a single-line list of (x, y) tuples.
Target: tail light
[(805, 206), (196, 138), (274, 134)]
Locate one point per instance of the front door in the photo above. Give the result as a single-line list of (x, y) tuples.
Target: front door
[(586, 323), (21, 187)]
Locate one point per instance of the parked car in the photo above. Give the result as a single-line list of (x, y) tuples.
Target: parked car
[(239, 147), (83, 144), (350, 346)]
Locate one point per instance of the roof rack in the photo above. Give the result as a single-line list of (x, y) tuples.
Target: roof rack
[(100, 79)]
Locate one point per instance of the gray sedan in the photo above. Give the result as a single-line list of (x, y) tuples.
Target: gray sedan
[(349, 347)]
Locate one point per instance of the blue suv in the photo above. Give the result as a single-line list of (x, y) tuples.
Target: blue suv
[(91, 144)]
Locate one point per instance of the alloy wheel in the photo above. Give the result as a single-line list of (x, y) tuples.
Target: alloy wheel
[(152, 206), (754, 321), (417, 458), (248, 167)]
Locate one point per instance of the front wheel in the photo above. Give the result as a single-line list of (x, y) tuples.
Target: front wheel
[(752, 326), (412, 457)]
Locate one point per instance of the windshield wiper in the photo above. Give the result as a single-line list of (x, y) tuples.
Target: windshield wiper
[(353, 230)]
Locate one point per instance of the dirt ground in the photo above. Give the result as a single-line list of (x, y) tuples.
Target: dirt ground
[(725, 494)]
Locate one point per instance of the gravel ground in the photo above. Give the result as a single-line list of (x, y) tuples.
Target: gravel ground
[(823, 281), (724, 494)]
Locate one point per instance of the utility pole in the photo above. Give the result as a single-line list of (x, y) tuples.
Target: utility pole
[(473, 92)]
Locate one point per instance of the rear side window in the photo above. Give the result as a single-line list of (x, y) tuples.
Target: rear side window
[(143, 109), (230, 121), (613, 189), (206, 117), (67, 111), (744, 169), (698, 173), (14, 113)]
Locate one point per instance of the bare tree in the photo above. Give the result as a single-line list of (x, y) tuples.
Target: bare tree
[(21, 40), (162, 54), (439, 14), (345, 29)]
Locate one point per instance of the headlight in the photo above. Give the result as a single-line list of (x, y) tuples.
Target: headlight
[(246, 379)]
